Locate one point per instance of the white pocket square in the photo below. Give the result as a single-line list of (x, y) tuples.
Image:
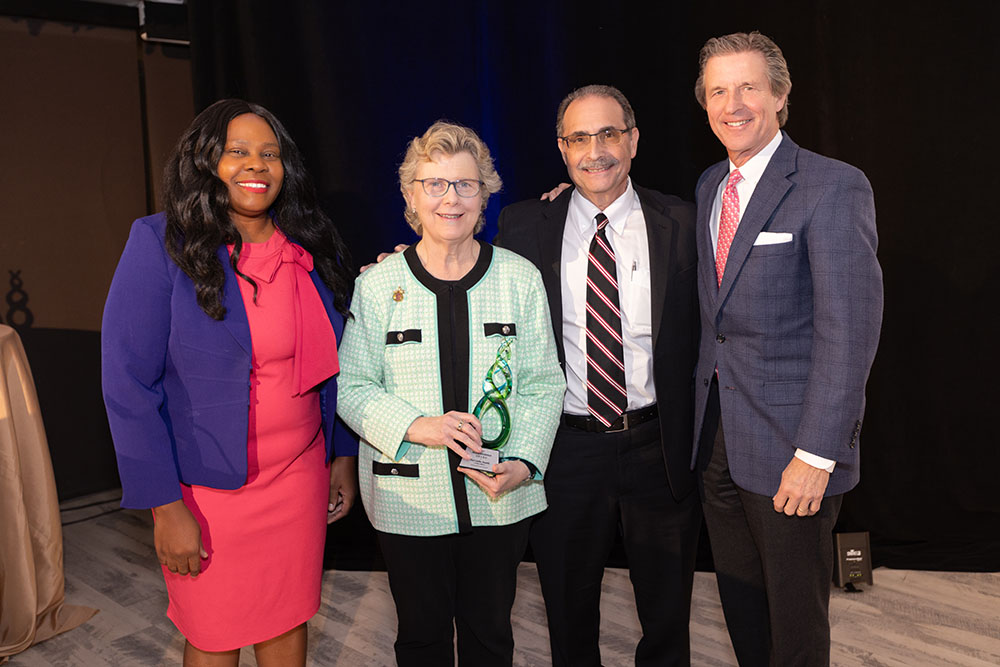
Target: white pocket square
[(772, 238)]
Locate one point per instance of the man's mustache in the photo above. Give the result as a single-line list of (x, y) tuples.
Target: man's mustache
[(603, 162)]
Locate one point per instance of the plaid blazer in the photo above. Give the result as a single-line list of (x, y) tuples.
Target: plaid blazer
[(794, 326)]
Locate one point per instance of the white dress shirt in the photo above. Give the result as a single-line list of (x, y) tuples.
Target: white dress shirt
[(626, 233), (751, 172)]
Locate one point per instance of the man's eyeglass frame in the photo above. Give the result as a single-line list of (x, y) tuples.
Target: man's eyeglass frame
[(609, 136)]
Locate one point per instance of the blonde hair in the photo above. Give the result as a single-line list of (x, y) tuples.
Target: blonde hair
[(450, 139)]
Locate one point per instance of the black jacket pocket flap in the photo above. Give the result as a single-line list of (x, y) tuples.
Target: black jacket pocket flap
[(500, 329), (400, 337), (396, 469)]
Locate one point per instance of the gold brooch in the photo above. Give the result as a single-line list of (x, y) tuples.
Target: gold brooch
[(397, 296)]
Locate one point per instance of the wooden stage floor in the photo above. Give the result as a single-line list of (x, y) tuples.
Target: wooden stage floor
[(908, 618)]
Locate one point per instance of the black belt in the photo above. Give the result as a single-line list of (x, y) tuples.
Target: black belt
[(624, 422)]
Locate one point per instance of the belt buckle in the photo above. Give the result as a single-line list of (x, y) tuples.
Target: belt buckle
[(624, 426)]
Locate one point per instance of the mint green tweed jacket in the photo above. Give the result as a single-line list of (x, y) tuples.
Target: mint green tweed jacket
[(408, 334)]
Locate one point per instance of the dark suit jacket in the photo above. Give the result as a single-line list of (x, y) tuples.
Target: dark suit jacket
[(176, 381), (794, 326), (534, 229)]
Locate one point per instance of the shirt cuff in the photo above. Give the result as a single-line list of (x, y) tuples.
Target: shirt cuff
[(815, 461)]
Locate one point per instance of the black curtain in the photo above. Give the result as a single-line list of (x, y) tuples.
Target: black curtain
[(900, 90)]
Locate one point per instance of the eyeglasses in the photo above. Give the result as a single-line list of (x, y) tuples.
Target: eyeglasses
[(609, 136), (438, 187)]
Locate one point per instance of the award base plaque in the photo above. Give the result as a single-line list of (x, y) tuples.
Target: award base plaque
[(483, 461)]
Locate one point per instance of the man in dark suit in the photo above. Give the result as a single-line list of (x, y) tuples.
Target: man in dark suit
[(791, 308), (618, 262)]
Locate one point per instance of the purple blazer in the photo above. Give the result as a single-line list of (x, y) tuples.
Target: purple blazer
[(177, 382)]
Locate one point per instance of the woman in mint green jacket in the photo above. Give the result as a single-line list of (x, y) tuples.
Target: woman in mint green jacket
[(429, 324)]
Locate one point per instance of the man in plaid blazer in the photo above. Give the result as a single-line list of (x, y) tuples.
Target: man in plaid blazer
[(791, 308)]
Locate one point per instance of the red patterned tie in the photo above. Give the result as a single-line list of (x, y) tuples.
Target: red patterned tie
[(606, 395), (728, 222)]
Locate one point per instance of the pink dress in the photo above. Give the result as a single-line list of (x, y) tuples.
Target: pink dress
[(265, 540)]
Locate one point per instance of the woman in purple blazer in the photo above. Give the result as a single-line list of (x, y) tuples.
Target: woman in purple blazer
[(219, 363)]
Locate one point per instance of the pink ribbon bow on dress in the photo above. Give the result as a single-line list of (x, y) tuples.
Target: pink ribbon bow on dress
[(315, 342)]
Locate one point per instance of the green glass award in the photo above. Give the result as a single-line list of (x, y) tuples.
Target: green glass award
[(497, 386)]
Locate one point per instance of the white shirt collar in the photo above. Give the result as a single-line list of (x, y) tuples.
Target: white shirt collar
[(617, 212), (754, 168)]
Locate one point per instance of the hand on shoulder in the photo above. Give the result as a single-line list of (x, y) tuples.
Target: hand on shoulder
[(400, 247)]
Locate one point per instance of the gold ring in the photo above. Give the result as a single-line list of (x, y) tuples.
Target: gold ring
[(460, 425)]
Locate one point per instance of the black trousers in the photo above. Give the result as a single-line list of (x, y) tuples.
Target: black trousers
[(466, 581), (596, 485), (774, 571)]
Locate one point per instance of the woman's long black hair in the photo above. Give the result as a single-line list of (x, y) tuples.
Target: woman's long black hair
[(197, 209)]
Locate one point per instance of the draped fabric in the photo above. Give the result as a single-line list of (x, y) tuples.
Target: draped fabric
[(32, 596)]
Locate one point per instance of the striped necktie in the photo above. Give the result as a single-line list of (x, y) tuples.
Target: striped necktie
[(606, 396)]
